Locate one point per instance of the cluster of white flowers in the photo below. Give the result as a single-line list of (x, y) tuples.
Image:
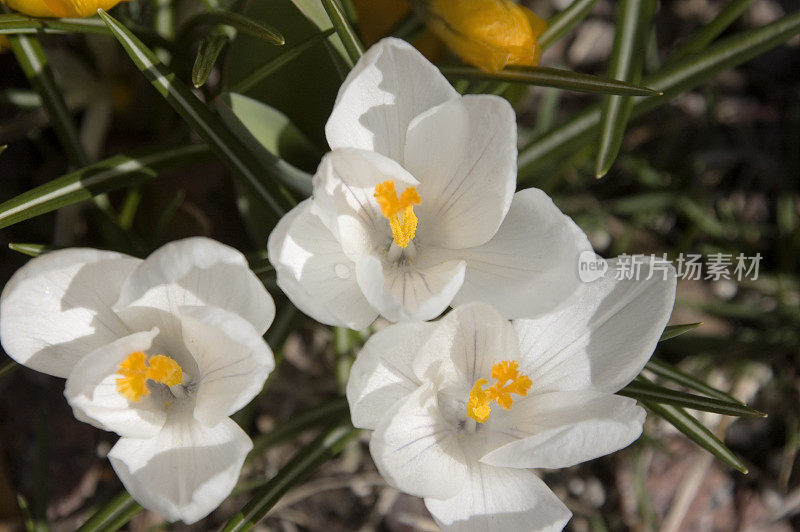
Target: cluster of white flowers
[(160, 351), (413, 211)]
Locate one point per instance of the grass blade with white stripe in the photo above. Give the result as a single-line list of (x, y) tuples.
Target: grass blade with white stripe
[(111, 174), (672, 80), (627, 58), (695, 431), (564, 21), (223, 143), (352, 44)]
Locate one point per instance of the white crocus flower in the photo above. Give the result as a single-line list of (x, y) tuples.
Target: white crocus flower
[(415, 209), (464, 406), (160, 351)]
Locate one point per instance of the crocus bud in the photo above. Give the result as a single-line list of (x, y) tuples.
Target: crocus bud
[(489, 34)]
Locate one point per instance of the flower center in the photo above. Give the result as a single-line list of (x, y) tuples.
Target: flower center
[(399, 211), (479, 404), (138, 368)]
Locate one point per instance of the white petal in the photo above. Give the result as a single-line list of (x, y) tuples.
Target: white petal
[(561, 429), (499, 500), (185, 471), (91, 390), (233, 361), (602, 338), (315, 274), (382, 373), (344, 198), (390, 85), (57, 308), (199, 271), (417, 450), (409, 292), (464, 153), (531, 265), (465, 345)]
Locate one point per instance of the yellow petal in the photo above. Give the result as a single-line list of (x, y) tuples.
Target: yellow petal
[(33, 8), (60, 8)]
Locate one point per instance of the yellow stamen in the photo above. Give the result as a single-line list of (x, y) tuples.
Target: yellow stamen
[(403, 229), (479, 404), (136, 372)]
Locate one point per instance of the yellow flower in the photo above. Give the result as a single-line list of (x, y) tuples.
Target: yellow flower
[(489, 34), (60, 8)]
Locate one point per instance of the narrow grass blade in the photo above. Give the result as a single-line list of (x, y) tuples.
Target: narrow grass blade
[(627, 57), (209, 126), (113, 516), (352, 44), (8, 368), (207, 53), (564, 21), (31, 57), (263, 72), (671, 373), (696, 432), (325, 446), (244, 24), (645, 391), (672, 80), (13, 23), (551, 77), (111, 174), (31, 250), (671, 331), (701, 39), (332, 412)]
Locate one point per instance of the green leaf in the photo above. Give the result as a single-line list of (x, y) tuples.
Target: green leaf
[(646, 391), (244, 24), (671, 373), (31, 250), (273, 130), (31, 57), (671, 80), (671, 331), (325, 446), (8, 368), (113, 516), (207, 53), (627, 57), (111, 174), (352, 44), (3, 148), (209, 126), (701, 39), (564, 21), (270, 135), (696, 432), (271, 66), (550, 77)]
